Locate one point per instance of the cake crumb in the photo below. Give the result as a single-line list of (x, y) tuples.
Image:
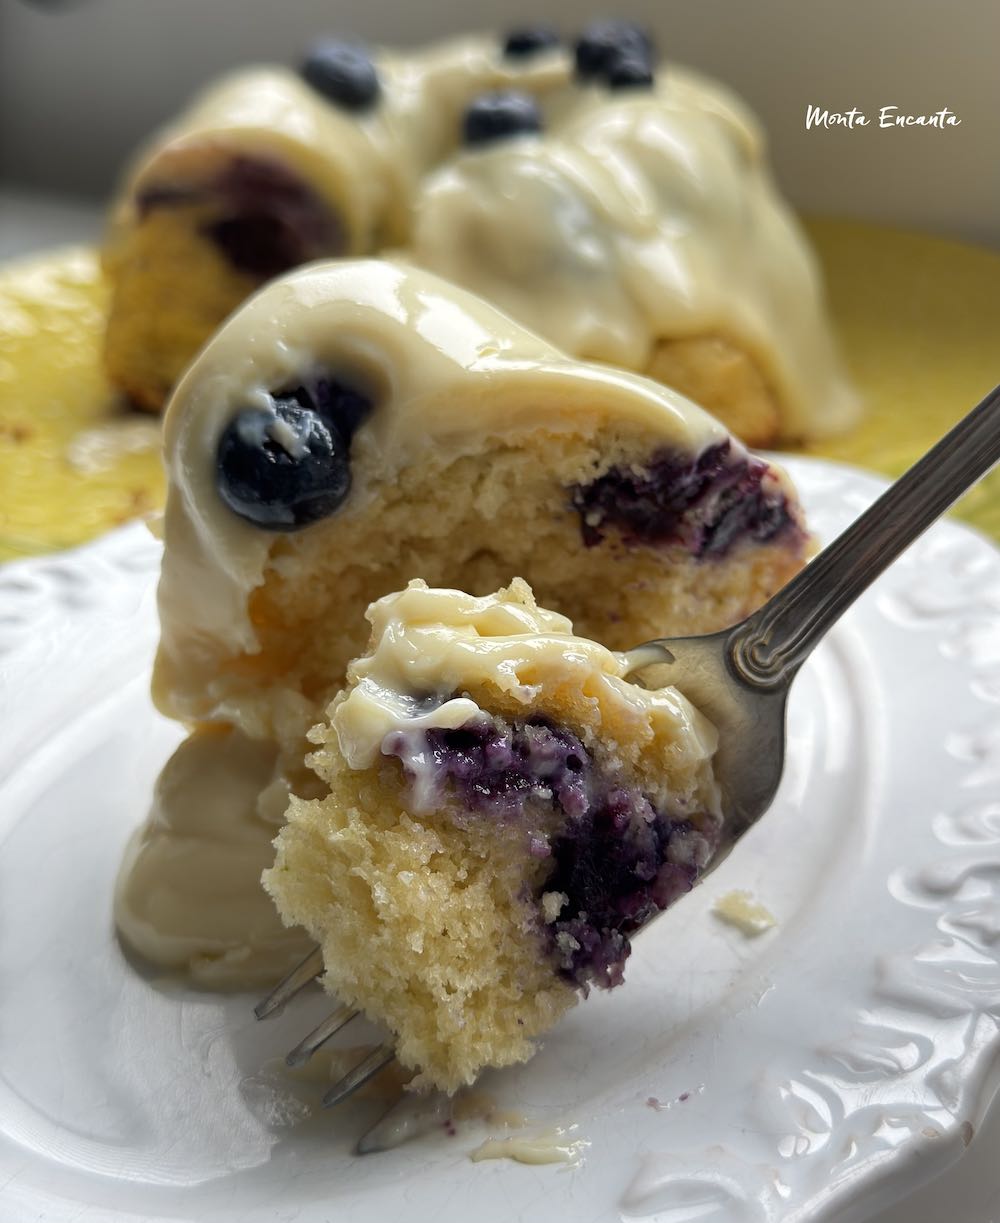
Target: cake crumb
[(738, 908), (552, 903)]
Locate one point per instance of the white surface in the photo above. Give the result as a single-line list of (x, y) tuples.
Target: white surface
[(81, 83), (832, 1064)]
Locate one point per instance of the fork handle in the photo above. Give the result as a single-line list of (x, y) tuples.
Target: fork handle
[(769, 647)]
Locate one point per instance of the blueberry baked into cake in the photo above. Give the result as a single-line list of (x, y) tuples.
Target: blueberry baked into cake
[(621, 207), (358, 424), (501, 809)]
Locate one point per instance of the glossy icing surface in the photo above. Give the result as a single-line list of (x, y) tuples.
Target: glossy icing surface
[(639, 217), (636, 216), (448, 374), (188, 893), (431, 645), (555, 1145)]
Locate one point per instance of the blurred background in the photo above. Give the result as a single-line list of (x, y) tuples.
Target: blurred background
[(83, 81)]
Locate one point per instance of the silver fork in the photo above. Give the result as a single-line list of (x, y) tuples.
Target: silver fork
[(740, 677)]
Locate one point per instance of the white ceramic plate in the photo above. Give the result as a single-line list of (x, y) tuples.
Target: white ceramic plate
[(827, 1067)]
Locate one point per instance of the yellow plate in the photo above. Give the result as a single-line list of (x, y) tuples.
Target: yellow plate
[(918, 317), (74, 460), (919, 321)]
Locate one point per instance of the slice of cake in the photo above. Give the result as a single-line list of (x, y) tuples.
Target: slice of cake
[(502, 809), (360, 424)]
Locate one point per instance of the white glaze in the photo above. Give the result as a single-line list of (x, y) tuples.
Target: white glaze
[(428, 641), (449, 373), (642, 216), (550, 1146), (188, 892)]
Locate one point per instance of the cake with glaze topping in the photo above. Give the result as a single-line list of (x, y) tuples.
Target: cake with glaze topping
[(501, 810), (641, 226), (271, 168), (622, 208), (360, 424)]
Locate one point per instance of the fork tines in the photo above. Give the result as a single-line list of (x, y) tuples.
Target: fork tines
[(300, 976), (330, 1026), (289, 986), (357, 1077)]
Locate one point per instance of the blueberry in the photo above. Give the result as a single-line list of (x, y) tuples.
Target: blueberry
[(629, 72), (342, 72), (603, 43), (530, 39), (494, 116), (340, 405), (282, 467), (707, 504), (610, 854)]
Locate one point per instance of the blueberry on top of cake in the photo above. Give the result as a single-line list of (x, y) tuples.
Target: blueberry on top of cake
[(495, 116), (343, 72), (530, 40), (287, 464), (606, 44), (630, 72), (282, 466)]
